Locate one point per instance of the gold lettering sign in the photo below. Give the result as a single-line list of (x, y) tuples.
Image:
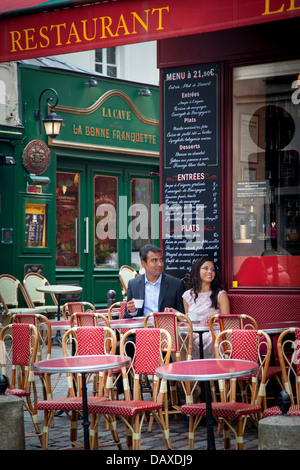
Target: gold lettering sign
[(86, 30)]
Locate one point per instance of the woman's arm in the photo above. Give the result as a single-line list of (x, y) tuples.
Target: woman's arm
[(186, 306), (224, 305)]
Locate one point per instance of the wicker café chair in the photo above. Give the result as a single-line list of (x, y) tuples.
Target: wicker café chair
[(243, 344), (243, 321), (73, 307), (289, 357), (182, 346), (116, 309), (43, 327), (18, 350), (33, 280), (82, 341), (125, 274), (10, 287), (223, 322), (87, 319), (131, 411)]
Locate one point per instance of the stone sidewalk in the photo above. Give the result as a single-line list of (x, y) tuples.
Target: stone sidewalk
[(151, 441)]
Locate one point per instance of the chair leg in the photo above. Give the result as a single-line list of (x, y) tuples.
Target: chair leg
[(226, 435), (159, 417), (191, 432), (34, 417), (111, 420), (240, 433), (73, 426), (48, 415)]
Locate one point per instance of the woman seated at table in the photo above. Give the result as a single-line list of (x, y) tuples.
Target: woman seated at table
[(205, 298)]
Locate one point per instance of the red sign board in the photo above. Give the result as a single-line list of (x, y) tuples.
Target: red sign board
[(118, 22)]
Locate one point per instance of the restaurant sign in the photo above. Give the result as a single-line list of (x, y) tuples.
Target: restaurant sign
[(113, 123), (98, 25)]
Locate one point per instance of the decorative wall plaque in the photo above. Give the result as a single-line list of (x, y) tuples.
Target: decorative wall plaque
[(36, 157)]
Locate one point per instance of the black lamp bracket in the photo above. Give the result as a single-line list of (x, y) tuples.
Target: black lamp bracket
[(49, 101)]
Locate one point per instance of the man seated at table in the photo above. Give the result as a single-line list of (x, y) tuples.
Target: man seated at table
[(158, 290)]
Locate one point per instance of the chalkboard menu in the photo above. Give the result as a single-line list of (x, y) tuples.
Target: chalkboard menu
[(191, 192)]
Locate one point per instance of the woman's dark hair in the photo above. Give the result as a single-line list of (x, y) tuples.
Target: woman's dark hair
[(195, 282)]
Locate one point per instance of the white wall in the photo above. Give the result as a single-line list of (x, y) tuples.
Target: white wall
[(136, 62)]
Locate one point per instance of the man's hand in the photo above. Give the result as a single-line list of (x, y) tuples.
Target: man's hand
[(130, 306)]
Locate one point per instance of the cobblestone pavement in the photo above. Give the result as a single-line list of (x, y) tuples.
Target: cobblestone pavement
[(151, 441)]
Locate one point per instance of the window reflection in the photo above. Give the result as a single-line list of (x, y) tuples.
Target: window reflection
[(67, 219), (265, 169), (105, 231), (141, 200)]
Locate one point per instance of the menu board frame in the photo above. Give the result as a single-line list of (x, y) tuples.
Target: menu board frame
[(190, 166)]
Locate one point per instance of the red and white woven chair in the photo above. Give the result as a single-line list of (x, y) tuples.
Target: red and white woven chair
[(87, 319), (73, 307), (182, 347), (148, 356), (220, 322), (244, 344), (242, 322), (43, 327), (116, 310), (18, 350), (288, 346), (82, 341)]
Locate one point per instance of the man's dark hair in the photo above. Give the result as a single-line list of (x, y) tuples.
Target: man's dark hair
[(145, 250)]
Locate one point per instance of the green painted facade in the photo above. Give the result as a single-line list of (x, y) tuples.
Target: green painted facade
[(109, 130)]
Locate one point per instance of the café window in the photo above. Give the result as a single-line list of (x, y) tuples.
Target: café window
[(141, 224), (105, 229), (265, 175), (67, 220), (35, 225), (106, 61)]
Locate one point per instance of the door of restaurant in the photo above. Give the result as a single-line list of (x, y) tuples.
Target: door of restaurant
[(100, 216)]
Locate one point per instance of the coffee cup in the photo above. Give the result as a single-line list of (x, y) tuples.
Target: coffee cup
[(138, 303)]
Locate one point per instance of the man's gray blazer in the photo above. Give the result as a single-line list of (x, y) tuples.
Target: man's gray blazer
[(170, 295)]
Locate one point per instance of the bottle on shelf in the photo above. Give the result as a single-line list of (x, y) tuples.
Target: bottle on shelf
[(251, 223)]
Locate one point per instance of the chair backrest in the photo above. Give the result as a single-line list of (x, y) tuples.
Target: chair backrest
[(231, 321), (87, 341), (116, 309), (43, 327), (147, 357), (182, 342), (4, 308), (251, 345), (125, 274), (73, 307), (33, 280), (288, 347), (87, 319), (9, 288), (18, 349)]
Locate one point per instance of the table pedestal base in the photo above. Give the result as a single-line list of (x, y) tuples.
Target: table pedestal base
[(209, 418)]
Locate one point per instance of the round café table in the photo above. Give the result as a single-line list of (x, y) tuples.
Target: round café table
[(205, 370), (82, 365), (59, 290)]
